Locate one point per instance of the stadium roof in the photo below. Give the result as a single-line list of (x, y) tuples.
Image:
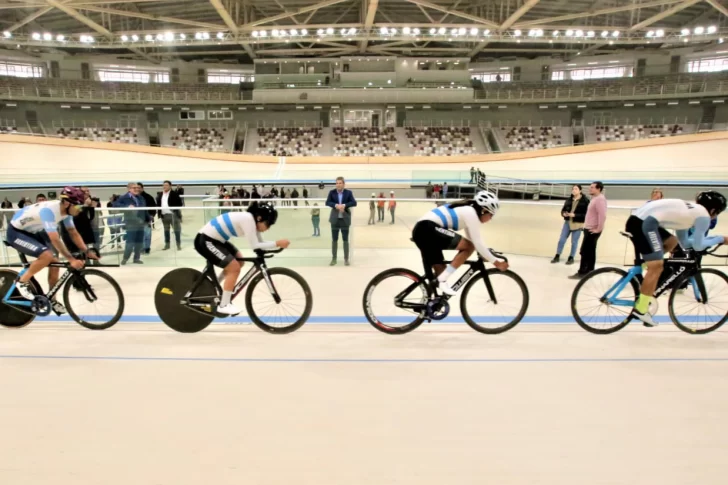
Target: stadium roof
[(253, 29)]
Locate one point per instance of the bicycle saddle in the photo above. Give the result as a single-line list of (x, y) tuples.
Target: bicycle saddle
[(626, 234)]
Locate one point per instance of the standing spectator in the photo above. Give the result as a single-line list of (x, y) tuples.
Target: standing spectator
[(436, 191), (380, 207), (255, 194), (167, 200), (21, 203), (97, 224), (6, 215), (114, 222), (392, 205), (226, 204), (294, 196), (472, 175), (428, 190), (316, 220), (574, 213), (134, 220), (372, 209), (596, 215), (341, 200), (321, 185), (284, 196), (40, 198), (305, 195), (84, 224), (444, 190), (148, 202), (656, 194)]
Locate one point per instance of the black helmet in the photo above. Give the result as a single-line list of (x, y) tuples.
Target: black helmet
[(265, 211), (711, 200)]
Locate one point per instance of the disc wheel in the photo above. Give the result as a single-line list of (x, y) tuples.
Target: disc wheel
[(285, 316), (482, 314), (94, 299), (379, 301), (168, 295), (702, 306), (591, 312), (12, 316)]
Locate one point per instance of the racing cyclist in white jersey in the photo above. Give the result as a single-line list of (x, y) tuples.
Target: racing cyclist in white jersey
[(648, 226), (435, 232), (213, 244), (33, 231)]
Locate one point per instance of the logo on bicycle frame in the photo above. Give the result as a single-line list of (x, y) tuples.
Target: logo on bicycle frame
[(670, 279)]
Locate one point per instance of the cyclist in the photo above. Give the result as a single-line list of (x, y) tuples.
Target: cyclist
[(33, 231), (648, 226), (213, 244), (435, 232)]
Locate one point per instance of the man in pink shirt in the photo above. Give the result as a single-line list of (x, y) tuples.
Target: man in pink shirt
[(596, 215)]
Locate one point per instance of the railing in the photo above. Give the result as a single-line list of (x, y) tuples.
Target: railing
[(288, 124), (209, 124), (437, 123), (94, 124)]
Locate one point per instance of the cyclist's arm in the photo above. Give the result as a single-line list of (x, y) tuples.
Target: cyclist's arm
[(700, 241), (472, 230), (51, 228), (254, 238)]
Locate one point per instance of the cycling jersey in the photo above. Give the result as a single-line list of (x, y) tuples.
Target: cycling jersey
[(681, 216), (236, 224), (464, 217), (43, 216)]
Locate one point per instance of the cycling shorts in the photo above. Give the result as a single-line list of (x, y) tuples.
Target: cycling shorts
[(216, 252), (648, 237), (29, 243), (432, 240)]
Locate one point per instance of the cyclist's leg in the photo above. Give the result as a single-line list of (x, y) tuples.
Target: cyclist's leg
[(222, 255), (650, 246), (31, 245)]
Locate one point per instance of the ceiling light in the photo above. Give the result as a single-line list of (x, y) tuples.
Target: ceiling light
[(659, 33), (604, 33), (486, 32), (274, 32), (433, 31), (168, 36), (393, 31), (320, 31), (182, 36), (352, 31), (532, 33), (220, 35), (579, 33), (330, 31), (262, 33), (406, 30), (149, 37), (160, 36), (304, 31), (416, 31), (462, 31), (89, 39), (539, 33), (294, 32), (60, 37), (615, 33), (712, 29), (124, 38), (47, 36), (198, 36), (590, 33), (36, 36), (205, 35), (517, 33), (699, 30), (441, 31), (555, 33), (650, 33), (569, 33), (720, 41), (685, 32), (7, 34), (454, 32), (473, 31)]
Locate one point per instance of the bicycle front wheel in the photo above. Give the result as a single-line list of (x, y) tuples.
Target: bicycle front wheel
[(287, 315), (93, 299), (703, 306), (381, 309), (596, 304), (15, 316), (501, 313)]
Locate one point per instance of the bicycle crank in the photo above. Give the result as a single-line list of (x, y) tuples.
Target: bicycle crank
[(41, 306), (437, 308)]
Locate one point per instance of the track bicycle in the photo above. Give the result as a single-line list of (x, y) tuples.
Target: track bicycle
[(87, 287), (492, 301), (602, 301), (186, 299)]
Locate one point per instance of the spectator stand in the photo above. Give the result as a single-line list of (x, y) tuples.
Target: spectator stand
[(288, 138), (8, 126), (515, 136), (601, 130), (365, 142), (441, 138), (108, 131), (200, 136)]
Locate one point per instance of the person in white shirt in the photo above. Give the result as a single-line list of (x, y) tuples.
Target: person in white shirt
[(169, 200), (435, 232), (213, 244)]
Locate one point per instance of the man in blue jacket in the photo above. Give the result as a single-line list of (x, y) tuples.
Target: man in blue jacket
[(134, 221), (341, 201)]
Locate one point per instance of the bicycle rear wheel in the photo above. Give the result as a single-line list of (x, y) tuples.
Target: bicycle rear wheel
[(285, 316), (168, 295), (12, 316), (482, 314), (688, 308), (379, 301), (93, 299), (589, 307)]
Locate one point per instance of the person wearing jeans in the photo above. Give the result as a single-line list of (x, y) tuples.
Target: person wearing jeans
[(316, 219), (596, 216), (574, 213), (340, 200)]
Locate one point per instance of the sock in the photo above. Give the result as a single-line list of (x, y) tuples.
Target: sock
[(446, 274), (226, 296), (643, 303)]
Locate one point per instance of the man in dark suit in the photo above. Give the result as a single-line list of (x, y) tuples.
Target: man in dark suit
[(341, 201), (167, 200), (148, 202), (134, 220)]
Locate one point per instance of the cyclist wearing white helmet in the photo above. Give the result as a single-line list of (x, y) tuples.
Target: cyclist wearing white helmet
[(435, 232)]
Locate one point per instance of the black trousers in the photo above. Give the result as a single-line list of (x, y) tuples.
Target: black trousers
[(588, 252)]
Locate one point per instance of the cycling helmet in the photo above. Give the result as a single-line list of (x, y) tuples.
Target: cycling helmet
[(485, 201), (73, 195), (711, 200), (265, 211)]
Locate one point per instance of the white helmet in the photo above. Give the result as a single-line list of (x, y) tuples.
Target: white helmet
[(486, 201)]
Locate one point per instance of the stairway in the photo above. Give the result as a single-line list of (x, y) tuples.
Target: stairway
[(34, 126)]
